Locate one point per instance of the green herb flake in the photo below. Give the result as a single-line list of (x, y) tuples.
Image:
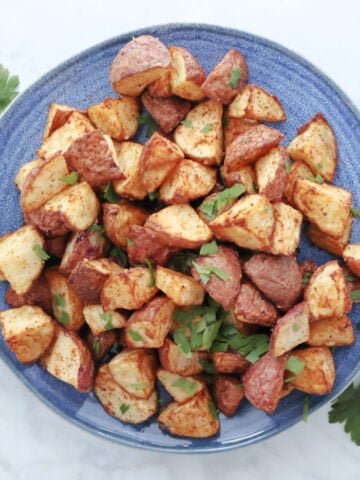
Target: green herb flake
[(346, 408), (235, 77), (110, 195), (355, 295), (189, 386), (354, 211), (208, 366), (129, 242), (70, 179), (152, 273), (137, 385), (317, 179), (306, 278), (186, 123), (182, 342), (97, 228), (118, 252), (40, 252), (287, 167), (349, 278), (152, 196), (295, 327), (60, 301), (225, 122), (134, 335), (320, 166), (64, 318), (213, 410), (294, 365), (212, 207), (8, 87), (107, 317), (151, 124), (209, 248), (206, 271), (207, 128), (306, 408), (124, 408), (96, 346)]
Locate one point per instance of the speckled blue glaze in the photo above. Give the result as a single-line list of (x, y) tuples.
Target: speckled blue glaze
[(83, 80)]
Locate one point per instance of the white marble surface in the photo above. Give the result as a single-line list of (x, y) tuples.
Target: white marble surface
[(36, 443)]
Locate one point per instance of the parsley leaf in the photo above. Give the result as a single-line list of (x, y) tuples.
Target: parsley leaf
[(137, 385), (317, 179), (212, 207), (182, 342), (129, 242), (148, 120), (354, 211), (294, 365), (8, 87), (189, 386), (124, 408), (134, 335), (110, 195), (107, 317), (349, 278), (346, 408), (60, 301), (40, 252), (96, 346), (306, 408), (206, 271), (119, 252), (213, 410), (208, 127), (70, 179), (152, 196), (287, 167), (97, 228), (151, 270), (235, 77), (64, 318), (306, 278), (209, 248), (355, 295), (186, 123)]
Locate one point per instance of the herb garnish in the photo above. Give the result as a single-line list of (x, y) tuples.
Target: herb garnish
[(110, 195), (317, 179), (189, 386), (206, 271), (355, 295), (107, 317), (40, 252), (96, 346), (346, 408), (151, 270), (294, 365), (124, 408), (235, 77), (186, 123), (208, 127), (212, 207), (306, 278), (59, 301), (148, 120), (354, 211), (134, 335), (306, 408), (70, 179), (64, 318), (8, 87), (209, 248)]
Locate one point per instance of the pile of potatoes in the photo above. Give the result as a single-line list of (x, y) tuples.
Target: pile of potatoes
[(158, 263)]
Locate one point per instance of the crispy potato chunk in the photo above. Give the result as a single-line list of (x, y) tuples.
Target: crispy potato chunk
[(318, 375), (129, 289), (287, 230), (228, 393), (159, 157), (327, 206), (193, 418), (58, 114), (119, 218), (200, 136), (351, 255), (119, 403), (116, 117), (69, 359), (129, 161), (229, 362), (174, 361), (179, 226), (66, 305), (161, 88), (270, 173), (28, 331), (100, 344), (331, 332), (49, 173), (295, 170), (251, 145), (74, 209), (249, 223), (180, 288), (179, 387), (244, 175), (326, 292), (315, 145), (256, 103), (20, 265), (235, 126), (327, 242), (24, 171), (60, 140), (168, 112), (251, 307), (228, 78), (290, 330), (188, 181), (145, 244), (39, 294), (101, 321), (263, 382), (149, 326), (139, 63), (188, 75), (134, 370)]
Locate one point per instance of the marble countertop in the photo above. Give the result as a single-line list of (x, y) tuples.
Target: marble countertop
[(37, 443)]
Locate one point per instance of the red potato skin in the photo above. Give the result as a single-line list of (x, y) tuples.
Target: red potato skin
[(89, 290), (104, 340), (277, 277), (253, 307), (217, 87), (39, 294), (263, 382), (91, 157), (194, 71), (230, 362), (251, 145), (147, 245), (52, 224), (228, 394), (227, 260), (168, 112), (56, 246)]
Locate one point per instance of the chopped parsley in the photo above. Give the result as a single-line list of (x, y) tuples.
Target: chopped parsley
[(151, 270), (40, 252), (287, 167), (206, 271), (317, 179), (213, 410), (354, 211), (97, 228), (320, 166), (59, 301), (295, 327), (134, 335), (209, 248), (189, 386), (118, 252), (124, 408), (208, 127), (306, 408), (235, 77), (129, 242), (137, 385), (349, 278), (294, 365), (152, 196), (96, 346), (64, 318), (186, 123), (306, 278), (151, 124), (355, 295), (110, 195), (212, 207), (70, 179), (208, 366), (107, 317)]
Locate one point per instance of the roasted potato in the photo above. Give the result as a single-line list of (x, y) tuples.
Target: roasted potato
[(251, 307), (351, 255), (101, 321), (270, 173), (57, 115), (229, 362), (174, 361), (331, 332), (286, 235), (179, 387), (188, 75), (334, 245), (180, 288), (228, 393), (24, 171)]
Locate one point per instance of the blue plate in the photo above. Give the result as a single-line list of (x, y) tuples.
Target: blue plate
[(82, 81)]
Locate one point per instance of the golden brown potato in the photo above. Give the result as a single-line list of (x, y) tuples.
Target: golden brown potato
[(118, 219), (180, 288), (228, 393), (228, 78), (174, 361), (351, 255), (101, 321), (20, 263), (229, 362), (327, 242), (188, 181), (58, 114), (200, 135), (251, 145), (287, 229), (263, 382), (326, 293), (149, 326), (318, 374), (295, 170), (244, 175), (139, 63), (67, 306), (167, 112), (179, 226), (193, 418), (315, 145), (331, 332), (179, 387), (39, 294), (60, 140), (270, 173), (159, 157), (290, 330), (24, 171), (134, 370), (327, 206), (161, 88), (145, 245), (69, 359), (256, 103), (28, 331), (188, 75), (249, 223), (129, 289), (116, 117), (119, 403), (235, 126)]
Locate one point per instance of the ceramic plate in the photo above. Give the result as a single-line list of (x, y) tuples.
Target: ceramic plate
[(83, 80)]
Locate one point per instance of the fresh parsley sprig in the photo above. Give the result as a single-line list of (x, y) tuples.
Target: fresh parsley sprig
[(346, 409), (8, 87)]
